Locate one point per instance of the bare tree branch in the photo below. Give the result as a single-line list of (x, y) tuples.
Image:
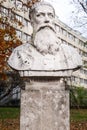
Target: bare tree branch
[(83, 6)]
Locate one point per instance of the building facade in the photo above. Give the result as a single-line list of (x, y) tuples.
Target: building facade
[(16, 12), (74, 38)]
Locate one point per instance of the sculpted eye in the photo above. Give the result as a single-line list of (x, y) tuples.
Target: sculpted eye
[(38, 15), (50, 15)]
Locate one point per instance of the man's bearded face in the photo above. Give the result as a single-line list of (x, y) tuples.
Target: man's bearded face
[(44, 36), (46, 41)]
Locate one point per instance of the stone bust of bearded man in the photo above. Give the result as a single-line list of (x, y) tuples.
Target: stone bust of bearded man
[(45, 52)]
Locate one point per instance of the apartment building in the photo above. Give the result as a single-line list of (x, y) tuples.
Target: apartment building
[(75, 39), (17, 11)]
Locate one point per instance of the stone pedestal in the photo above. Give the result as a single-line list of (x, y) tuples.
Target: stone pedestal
[(45, 105)]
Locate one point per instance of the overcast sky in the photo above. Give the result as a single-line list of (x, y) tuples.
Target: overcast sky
[(64, 10)]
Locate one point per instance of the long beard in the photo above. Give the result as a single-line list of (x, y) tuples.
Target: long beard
[(46, 41)]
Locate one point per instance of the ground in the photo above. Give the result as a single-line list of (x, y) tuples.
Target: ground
[(9, 119)]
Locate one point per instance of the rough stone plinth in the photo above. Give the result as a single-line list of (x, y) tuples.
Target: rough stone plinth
[(44, 105)]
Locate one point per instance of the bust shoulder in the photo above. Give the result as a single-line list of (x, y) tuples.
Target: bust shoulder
[(22, 47)]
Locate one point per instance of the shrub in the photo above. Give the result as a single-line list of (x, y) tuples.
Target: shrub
[(78, 97)]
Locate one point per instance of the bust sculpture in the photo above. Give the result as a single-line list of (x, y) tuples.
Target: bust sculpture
[(44, 52)]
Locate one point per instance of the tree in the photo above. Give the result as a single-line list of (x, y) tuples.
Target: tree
[(83, 4), (12, 81), (78, 97), (8, 38), (79, 16), (8, 41)]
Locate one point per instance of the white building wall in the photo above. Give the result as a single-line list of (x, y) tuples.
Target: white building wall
[(18, 9)]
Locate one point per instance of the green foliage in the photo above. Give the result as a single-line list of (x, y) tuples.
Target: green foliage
[(78, 115), (86, 43), (78, 97), (9, 113), (85, 46)]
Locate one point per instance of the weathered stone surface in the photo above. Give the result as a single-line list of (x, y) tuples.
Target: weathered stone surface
[(45, 51), (44, 102), (31, 73), (44, 106)]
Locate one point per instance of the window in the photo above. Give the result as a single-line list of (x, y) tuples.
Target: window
[(2, 26), (76, 80), (13, 16), (64, 42), (85, 81), (81, 80), (73, 78), (4, 11), (12, 1), (71, 36), (61, 30), (57, 28), (24, 37), (19, 18), (25, 9), (25, 22), (19, 33), (85, 72), (85, 63), (27, 38), (82, 71), (64, 32), (80, 52), (76, 40), (18, 4), (81, 43), (85, 54)]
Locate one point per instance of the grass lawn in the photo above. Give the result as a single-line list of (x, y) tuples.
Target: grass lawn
[(13, 113), (10, 119), (78, 119), (9, 113), (78, 115)]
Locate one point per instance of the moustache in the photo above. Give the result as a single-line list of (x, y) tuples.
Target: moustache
[(46, 25)]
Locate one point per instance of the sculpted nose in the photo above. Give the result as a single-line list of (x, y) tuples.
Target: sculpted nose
[(46, 19)]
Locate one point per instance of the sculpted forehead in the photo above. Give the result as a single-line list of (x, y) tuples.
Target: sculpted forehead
[(44, 8)]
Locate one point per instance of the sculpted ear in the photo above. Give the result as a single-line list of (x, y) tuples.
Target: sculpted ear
[(31, 15)]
